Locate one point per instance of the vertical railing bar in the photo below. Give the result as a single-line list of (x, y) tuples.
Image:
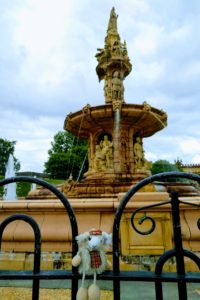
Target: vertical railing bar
[(37, 246), (35, 289), (159, 290), (116, 255), (158, 271), (182, 288), (36, 269)]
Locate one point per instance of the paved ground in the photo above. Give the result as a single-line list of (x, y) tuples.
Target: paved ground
[(129, 290)]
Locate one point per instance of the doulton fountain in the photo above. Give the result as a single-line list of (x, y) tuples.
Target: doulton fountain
[(115, 131)]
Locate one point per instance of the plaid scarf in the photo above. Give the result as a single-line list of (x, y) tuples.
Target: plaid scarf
[(95, 259)]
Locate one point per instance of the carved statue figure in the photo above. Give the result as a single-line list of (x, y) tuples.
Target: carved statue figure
[(103, 157), (100, 54), (124, 51), (68, 184), (106, 149), (146, 106), (138, 153), (116, 48), (99, 160), (117, 86), (105, 89)]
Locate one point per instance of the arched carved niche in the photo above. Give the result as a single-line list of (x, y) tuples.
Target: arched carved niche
[(102, 158)]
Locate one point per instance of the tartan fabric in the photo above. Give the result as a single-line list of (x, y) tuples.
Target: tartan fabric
[(95, 259)]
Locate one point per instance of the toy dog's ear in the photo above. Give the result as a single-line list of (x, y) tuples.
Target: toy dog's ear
[(107, 238), (82, 238)]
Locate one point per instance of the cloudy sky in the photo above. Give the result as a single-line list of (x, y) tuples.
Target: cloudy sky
[(47, 69)]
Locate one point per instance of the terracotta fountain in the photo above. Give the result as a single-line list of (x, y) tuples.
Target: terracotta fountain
[(114, 130)]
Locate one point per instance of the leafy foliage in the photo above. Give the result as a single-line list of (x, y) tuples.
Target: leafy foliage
[(7, 148), (1, 187), (23, 188), (66, 156), (161, 166)]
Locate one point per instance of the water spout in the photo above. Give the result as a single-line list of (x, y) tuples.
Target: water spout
[(10, 189), (117, 161), (117, 122)]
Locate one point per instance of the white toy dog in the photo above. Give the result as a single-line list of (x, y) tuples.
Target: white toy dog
[(91, 260)]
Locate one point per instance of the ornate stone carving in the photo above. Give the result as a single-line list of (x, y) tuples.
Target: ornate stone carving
[(116, 159), (117, 86), (146, 106), (86, 109), (113, 62), (68, 184), (117, 104), (138, 153), (141, 164), (103, 157)]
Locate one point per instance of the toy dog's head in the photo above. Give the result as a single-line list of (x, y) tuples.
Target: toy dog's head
[(95, 239)]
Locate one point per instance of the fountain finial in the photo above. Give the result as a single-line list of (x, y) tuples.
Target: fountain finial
[(113, 62), (112, 24)]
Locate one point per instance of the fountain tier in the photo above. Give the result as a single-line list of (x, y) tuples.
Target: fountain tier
[(115, 152), (142, 119)]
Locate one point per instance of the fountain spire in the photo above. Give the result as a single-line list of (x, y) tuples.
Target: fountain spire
[(112, 23), (113, 63)]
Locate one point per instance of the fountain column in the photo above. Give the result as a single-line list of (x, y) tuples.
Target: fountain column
[(113, 66)]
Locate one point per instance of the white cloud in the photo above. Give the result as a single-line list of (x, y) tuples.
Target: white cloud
[(40, 35), (32, 153), (195, 159), (190, 146)]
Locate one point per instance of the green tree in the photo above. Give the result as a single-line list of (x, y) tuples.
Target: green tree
[(161, 166), (66, 156), (7, 148)]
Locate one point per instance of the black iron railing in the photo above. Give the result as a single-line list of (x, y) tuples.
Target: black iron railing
[(181, 277), (36, 275), (158, 277)]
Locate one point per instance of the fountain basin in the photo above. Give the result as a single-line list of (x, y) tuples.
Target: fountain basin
[(138, 116)]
